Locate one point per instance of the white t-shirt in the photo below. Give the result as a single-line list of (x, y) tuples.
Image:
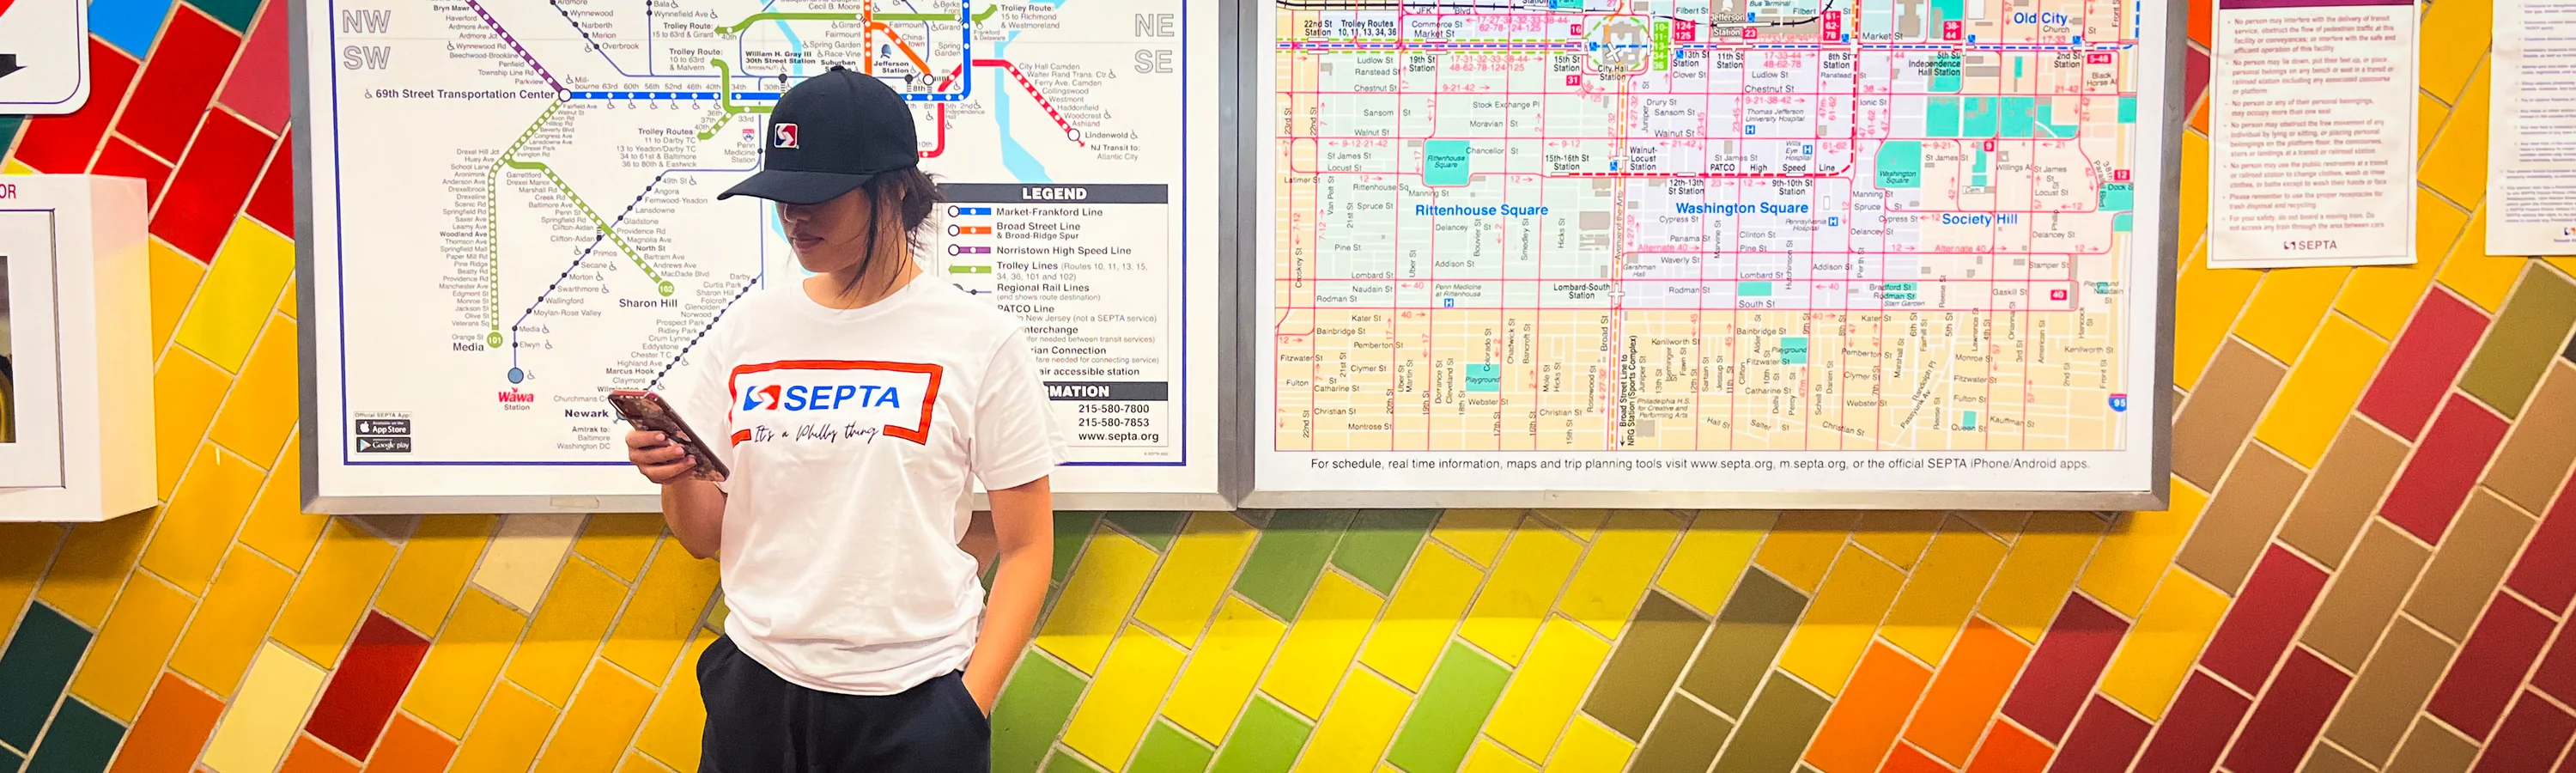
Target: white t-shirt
[(851, 436)]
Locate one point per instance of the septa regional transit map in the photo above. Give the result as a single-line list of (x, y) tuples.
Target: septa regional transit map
[(1598, 230)]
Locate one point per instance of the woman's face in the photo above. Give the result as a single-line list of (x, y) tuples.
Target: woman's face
[(831, 236)]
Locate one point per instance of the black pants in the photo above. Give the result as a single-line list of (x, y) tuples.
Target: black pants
[(759, 723)]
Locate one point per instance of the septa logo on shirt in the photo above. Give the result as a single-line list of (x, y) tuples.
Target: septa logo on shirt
[(786, 135), (855, 397)]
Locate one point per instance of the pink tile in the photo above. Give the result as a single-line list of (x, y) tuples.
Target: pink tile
[(253, 89), (371, 679), (2104, 741), (2547, 570), (2532, 737), (2195, 731), (2289, 716), (2446, 465), (2266, 615), (2426, 359), (2490, 666), (2062, 671)]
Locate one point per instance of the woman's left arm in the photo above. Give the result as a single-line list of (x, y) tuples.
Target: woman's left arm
[(1023, 531)]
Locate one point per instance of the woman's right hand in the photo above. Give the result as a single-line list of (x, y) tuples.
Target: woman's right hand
[(661, 460)]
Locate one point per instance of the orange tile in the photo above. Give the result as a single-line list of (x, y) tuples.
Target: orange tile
[(2207, 302), (1907, 759), (201, 518), (2287, 307), (186, 390), (2009, 749), (277, 526), (1872, 709), (411, 747), (92, 566), (311, 756), (174, 283), (1971, 685), (173, 728), (602, 719), (263, 406), (127, 656), (25, 549)]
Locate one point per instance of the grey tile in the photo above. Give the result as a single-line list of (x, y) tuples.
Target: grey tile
[(2343, 491), (1645, 663), (2365, 594), (2240, 518), (2468, 565), (2390, 690)]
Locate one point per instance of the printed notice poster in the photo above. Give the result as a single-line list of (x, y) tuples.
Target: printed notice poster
[(2531, 141), (2312, 125)]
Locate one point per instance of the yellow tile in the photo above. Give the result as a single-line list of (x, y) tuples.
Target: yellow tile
[(1120, 704), (2194, 222), (2565, 264), (620, 542), (11, 166), (2003, 525), (286, 301), (463, 663), (1543, 694), (233, 621), (185, 393), (25, 549), (277, 525), (1476, 534), (2381, 298), (1830, 638), (667, 606), (1523, 586), (1943, 590), (1581, 522), (1094, 604), (602, 718), (201, 518), (92, 565), (677, 725), (2320, 392), (524, 556), (2455, 166), (2286, 308), (1803, 545), (1898, 536), (1353, 735), (2207, 302), (1624, 557), (2160, 648), (2043, 563), (1195, 574), (636, 762), (333, 595), (1223, 669), (262, 409), (1589, 746), (2482, 279), (511, 729), (1326, 636), (174, 282), (432, 568), (2458, 37), (565, 632), (2430, 113), (238, 295), (1489, 757), (1419, 617), (2125, 569), (261, 722), (1712, 555), (127, 656)]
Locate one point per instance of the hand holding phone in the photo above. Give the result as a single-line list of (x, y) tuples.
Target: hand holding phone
[(662, 445)]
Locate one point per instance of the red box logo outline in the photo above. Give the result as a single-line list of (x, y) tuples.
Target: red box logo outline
[(919, 435)]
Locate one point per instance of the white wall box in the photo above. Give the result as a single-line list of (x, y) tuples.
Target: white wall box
[(76, 335)]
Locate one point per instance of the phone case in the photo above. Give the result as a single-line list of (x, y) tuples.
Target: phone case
[(647, 411)]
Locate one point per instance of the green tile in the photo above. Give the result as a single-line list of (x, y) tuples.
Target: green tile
[(233, 13), (1380, 544), (1072, 531), (9, 760), (80, 741), (1288, 557), (1687, 739), (1065, 761), (1169, 749), (1033, 709), (34, 670), (1152, 527), (2518, 347), (1452, 707), (8, 132), (1750, 630), (1645, 664), (1776, 731), (1265, 740)]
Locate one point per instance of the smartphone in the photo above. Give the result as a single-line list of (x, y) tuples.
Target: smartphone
[(646, 411)]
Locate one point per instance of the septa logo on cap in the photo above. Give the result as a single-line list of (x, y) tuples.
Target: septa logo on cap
[(786, 135)]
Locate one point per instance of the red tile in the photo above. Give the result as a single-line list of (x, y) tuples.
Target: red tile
[(252, 89), (2531, 738), (2104, 741), (178, 82), (207, 193), (64, 144), (2266, 615), (121, 159), (273, 202), (174, 725), (2426, 359), (2546, 573), (2009, 750), (2429, 491), (2195, 74), (2196, 729), (371, 679), (411, 747), (311, 757), (1907, 759), (2289, 716), (2490, 666), (2062, 671)]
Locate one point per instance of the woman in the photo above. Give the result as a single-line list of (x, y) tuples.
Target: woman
[(852, 409)]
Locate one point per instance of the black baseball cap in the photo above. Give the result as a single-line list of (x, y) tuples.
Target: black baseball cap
[(829, 135)]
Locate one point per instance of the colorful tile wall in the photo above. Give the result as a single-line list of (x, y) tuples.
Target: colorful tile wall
[(2367, 565)]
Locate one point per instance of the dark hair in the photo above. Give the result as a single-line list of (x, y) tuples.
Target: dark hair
[(918, 195)]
